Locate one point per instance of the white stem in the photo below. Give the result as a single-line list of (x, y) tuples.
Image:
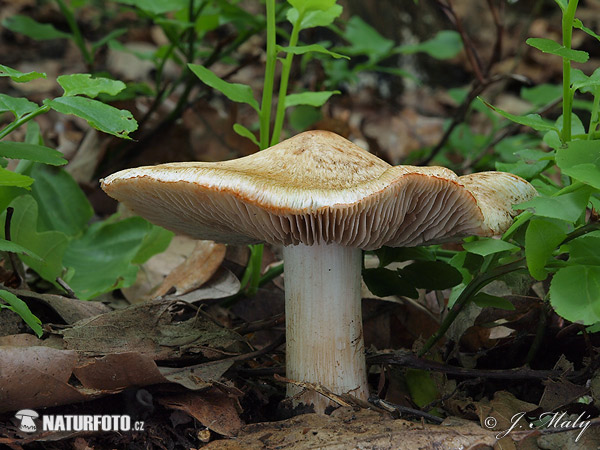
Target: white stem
[(323, 321)]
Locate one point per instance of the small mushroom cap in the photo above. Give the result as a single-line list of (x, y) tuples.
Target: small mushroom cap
[(26, 413), (318, 187)]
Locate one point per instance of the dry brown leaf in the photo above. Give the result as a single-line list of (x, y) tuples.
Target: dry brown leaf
[(347, 429), (213, 409), (196, 270), (34, 377), (155, 329), (222, 284)]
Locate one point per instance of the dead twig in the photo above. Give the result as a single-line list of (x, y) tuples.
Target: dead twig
[(399, 409)]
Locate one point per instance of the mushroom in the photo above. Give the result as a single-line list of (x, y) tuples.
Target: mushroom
[(324, 199), (26, 417)]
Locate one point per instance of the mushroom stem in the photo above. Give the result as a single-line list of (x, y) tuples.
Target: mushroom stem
[(324, 321)]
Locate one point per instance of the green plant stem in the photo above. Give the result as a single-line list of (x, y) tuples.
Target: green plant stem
[(267, 97), (77, 36), (466, 296), (283, 84), (252, 274), (22, 120), (567, 31), (594, 116)]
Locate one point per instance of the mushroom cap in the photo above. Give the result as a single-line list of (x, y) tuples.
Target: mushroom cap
[(26, 413), (318, 187)]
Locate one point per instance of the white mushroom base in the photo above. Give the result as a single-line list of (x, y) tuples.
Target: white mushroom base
[(324, 335)]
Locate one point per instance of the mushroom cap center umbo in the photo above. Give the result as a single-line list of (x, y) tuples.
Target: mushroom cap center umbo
[(318, 187)]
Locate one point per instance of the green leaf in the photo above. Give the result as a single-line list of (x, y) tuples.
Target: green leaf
[(432, 275), (17, 105), (35, 30), (484, 300), (581, 160), (309, 98), (65, 207), (388, 255), (155, 242), (489, 246), (585, 250), (245, 132), (31, 152), (315, 18), (13, 247), (580, 80), (522, 168), (157, 6), (84, 84), (542, 94), (446, 44), (568, 207), (106, 118), (309, 5), (579, 24), (9, 178), (365, 39), (421, 387), (236, 92), (541, 239), (531, 120), (109, 37), (575, 293), (20, 307), (49, 245), (554, 48), (101, 258), (383, 282), (304, 116), (300, 50), (20, 77)]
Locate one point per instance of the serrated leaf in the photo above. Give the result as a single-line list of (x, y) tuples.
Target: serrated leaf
[(35, 30), (581, 160), (20, 307), (541, 239), (445, 44), (316, 48), (17, 105), (568, 207), (554, 48), (245, 132), (118, 122), (20, 77), (9, 178), (157, 6), (84, 84), (534, 121), (102, 257), (575, 293), (13, 247), (48, 245), (489, 246), (236, 92), (383, 282), (31, 152), (484, 300), (309, 98), (315, 18)]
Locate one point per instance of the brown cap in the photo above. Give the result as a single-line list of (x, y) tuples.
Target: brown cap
[(319, 187)]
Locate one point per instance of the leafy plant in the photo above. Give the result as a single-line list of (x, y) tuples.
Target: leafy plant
[(46, 212)]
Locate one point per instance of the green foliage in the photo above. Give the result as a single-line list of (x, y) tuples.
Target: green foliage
[(18, 306)]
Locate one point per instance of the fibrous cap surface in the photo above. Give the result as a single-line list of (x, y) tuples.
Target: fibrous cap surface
[(319, 187)]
